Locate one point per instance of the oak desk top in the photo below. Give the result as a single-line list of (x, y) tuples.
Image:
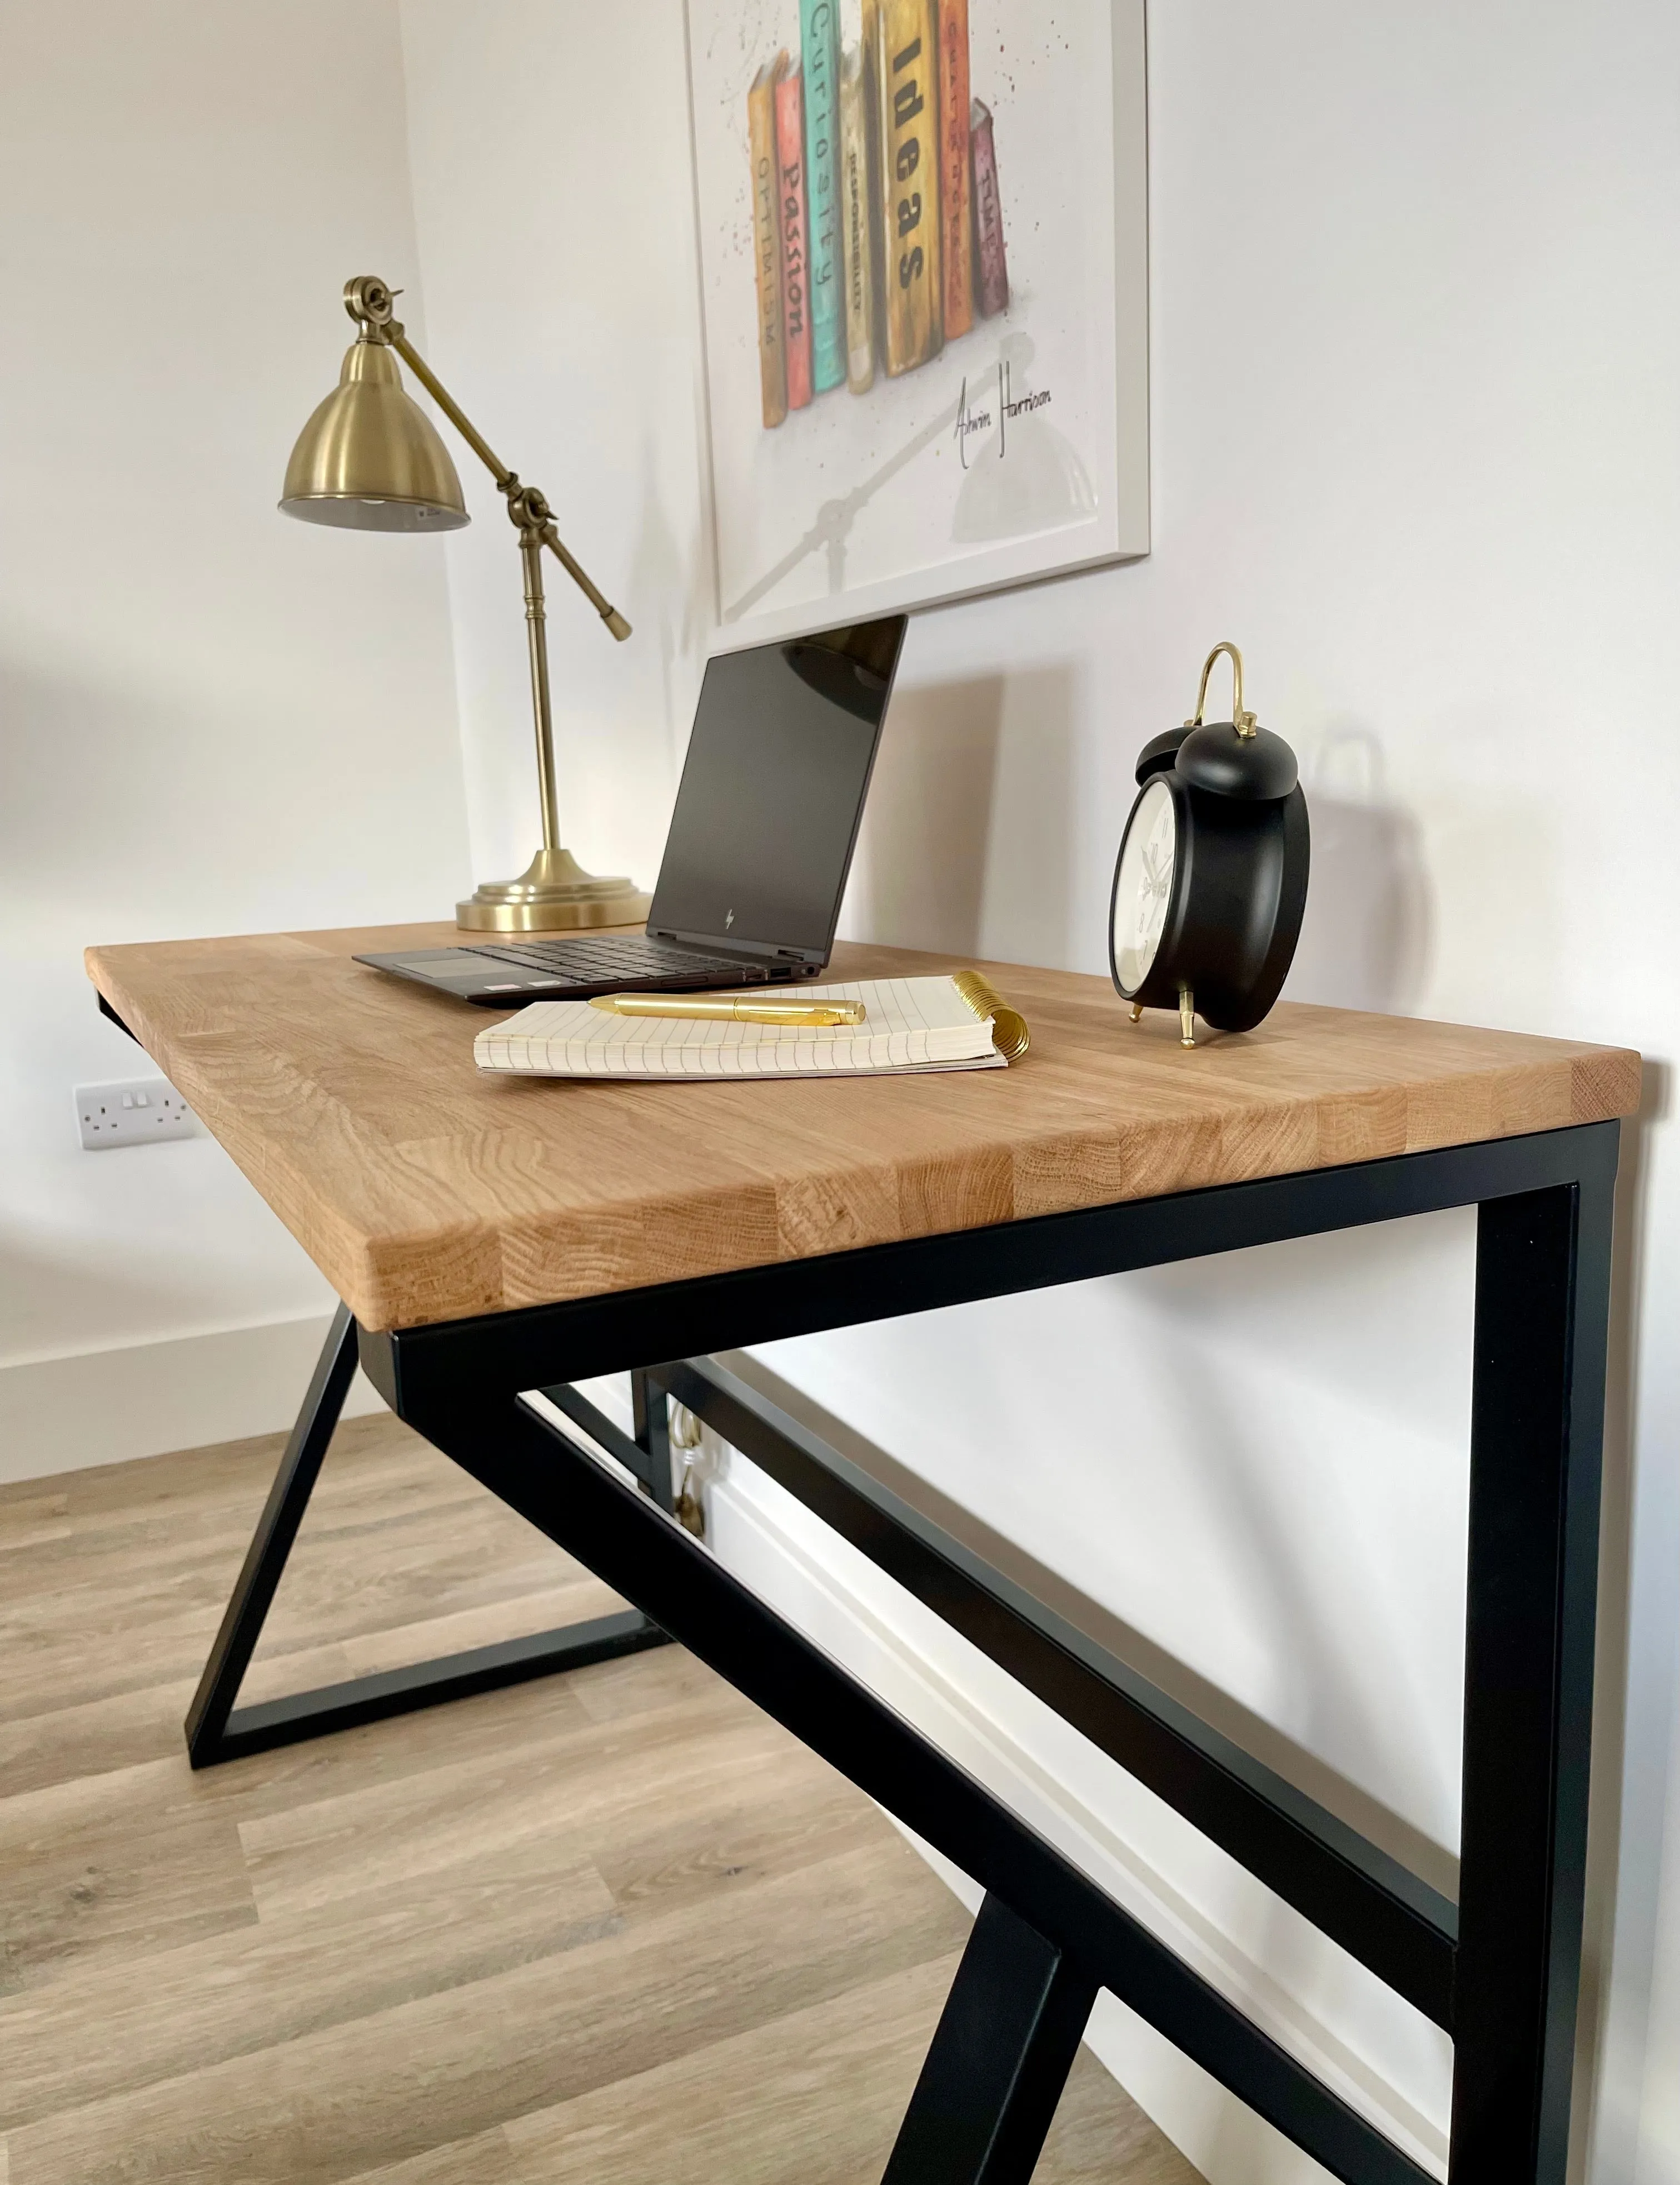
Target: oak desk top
[(425, 1191)]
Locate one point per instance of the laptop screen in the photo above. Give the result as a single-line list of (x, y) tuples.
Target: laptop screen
[(773, 790)]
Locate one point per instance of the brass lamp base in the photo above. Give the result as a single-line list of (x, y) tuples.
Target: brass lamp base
[(553, 894)]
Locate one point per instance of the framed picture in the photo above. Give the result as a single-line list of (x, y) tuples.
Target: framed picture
[(923, 244)]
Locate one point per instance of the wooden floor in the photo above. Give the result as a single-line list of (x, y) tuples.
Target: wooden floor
[(613, 1927)]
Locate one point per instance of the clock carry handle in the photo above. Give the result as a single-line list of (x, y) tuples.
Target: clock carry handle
[(1245, 724)]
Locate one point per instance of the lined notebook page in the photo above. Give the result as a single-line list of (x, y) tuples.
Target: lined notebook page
[(910, 1024)]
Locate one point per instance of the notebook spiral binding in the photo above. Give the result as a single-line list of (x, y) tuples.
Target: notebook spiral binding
[(1009, 1035)]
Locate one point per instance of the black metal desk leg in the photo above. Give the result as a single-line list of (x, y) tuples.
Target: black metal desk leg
[(653, 1421), (217, 1730), (271, 1542), (1005, 2044), (1542, 1285)]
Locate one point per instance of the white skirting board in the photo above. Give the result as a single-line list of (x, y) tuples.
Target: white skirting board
[(966, 1704), (106, 1406)]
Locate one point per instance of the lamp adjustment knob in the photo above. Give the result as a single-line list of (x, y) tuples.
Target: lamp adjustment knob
[(369, 302)]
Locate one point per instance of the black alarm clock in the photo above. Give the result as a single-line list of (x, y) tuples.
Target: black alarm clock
[(1210, 881)]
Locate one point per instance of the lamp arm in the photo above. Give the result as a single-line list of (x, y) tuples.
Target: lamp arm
[(447, 402), (608, 614), (525, 504)]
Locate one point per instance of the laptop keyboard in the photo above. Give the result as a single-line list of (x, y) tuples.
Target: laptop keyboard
[(622, 959)]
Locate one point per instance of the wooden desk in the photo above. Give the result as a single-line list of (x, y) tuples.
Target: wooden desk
[(425, 1191), (493, 1237)]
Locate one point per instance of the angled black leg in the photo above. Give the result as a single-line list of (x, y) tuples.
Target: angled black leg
[(1004, 2046), (653, 1436), (1542, 1285), (217, 1730), (271, 1543)]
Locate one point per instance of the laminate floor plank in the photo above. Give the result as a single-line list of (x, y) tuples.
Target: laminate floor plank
[(811, 2098), (614, 1924), (609, 1691), (454, 2062), (73, 1893), (486, 2159), (279, 1980), (92, 1737), (31, 1521), (600, 1778)]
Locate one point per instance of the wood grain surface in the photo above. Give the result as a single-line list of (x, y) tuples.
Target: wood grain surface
[(614, 1927), (425, 1191)]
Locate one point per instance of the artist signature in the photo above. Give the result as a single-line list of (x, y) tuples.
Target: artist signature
[(1008, 405)]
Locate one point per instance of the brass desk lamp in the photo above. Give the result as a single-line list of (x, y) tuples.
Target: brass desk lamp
[(370, 460)]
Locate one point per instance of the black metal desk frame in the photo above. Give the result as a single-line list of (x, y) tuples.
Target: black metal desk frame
[(1499, 1970)]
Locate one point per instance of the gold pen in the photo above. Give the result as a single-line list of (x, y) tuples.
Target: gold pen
[(728, 1008)]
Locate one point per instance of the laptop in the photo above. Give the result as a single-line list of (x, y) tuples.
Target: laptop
[(760, 843)]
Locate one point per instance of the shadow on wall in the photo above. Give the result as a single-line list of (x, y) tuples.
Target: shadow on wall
[(663, 589), (969, 830), (1365, 941)]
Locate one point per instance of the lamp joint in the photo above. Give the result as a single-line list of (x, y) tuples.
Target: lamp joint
[(373, 305), (527, 507)]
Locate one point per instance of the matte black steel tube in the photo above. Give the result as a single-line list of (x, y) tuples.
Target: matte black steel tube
[(1542, 1285), (300, 1716), (1001, 2053), (253, 1594), (647, 1556)]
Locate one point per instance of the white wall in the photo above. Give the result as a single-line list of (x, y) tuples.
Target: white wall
[(559, 223), (1415, 448), (211, 720)]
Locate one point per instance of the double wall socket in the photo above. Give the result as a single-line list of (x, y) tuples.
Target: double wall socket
[(136, 1111)]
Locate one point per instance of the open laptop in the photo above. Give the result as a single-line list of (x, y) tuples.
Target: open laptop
[(761, 839)]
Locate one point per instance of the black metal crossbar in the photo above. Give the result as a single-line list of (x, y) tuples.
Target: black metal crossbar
[(1373, 1906), (524, 1457)]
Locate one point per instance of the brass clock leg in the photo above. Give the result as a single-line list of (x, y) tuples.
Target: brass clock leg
[(1137, 1012), (1186, 1017)]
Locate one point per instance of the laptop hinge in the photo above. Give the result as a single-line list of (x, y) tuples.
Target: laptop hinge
[(749, 952)]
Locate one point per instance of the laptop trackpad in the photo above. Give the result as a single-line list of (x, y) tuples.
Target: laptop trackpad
[(444, 963)]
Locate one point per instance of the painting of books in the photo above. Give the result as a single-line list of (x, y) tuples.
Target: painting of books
[(923, 257)]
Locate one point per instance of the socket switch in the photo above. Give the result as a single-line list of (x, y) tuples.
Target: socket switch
[(136, 1111)]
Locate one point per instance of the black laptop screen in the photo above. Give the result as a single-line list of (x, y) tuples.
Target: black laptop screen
[(773, 789)]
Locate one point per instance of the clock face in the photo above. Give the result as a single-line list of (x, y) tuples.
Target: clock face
[(1143, 888)]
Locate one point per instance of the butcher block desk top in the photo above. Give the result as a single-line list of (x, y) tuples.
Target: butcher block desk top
[(425, 1191)]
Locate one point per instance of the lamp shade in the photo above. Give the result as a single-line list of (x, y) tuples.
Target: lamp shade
[(370, 459)]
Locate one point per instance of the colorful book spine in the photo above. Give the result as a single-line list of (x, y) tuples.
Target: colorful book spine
[(991, 271), (871, 58), (767, 239), (796, 318), (857, 227), (907, 71), (956, 231), (820, 61)]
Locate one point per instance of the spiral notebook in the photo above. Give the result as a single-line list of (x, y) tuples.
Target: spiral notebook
[(958, 1022)]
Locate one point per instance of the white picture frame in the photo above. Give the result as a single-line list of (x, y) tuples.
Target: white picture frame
[(1017, 450)]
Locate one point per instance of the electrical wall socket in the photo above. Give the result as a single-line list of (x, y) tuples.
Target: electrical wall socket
[(136, 1111)]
